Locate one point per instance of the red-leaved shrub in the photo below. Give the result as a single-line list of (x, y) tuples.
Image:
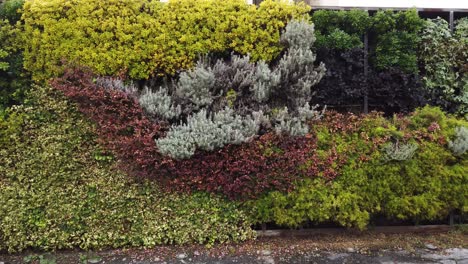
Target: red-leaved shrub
[(244, 171), (237, 171), (121, 124), (269, 162)]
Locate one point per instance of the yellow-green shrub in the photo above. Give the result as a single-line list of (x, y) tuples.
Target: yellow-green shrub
[(146, 37), (58, 189), (425, 187)]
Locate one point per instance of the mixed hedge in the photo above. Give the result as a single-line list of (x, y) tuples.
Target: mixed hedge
[(402, 168), (264, 100), (59, 189), (193, 121)]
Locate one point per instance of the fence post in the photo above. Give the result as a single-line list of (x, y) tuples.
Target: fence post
[(366, 70), (451, 21), (451, 218)]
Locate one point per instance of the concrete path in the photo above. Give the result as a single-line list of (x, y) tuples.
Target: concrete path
[(449, 256)]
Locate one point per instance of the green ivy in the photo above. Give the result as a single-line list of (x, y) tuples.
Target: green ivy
[(444, 56)]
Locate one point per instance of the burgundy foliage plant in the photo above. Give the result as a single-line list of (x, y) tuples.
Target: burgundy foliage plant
[(238, 171)]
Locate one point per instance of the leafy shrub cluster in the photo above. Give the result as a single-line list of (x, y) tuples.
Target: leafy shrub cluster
[(396, 36), (237, 171), (420, 179), (9, 10), (13, 79), (210, 107), (444, 56), (393, 35), (390, 83), (148, 37), (401, 45), (5, 36), (341, 30), (60, 190)]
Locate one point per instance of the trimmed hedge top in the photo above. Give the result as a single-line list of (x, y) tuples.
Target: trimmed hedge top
[(148, 37)]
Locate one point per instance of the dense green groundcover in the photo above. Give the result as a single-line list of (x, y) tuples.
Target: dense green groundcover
[(59, 190)]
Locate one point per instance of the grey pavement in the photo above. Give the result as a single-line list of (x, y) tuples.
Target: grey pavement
[(450, 256)]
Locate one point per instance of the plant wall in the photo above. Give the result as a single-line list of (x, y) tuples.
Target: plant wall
[(390, 82), (192, 121)]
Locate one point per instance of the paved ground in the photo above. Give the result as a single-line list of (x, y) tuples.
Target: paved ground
[(447, 256), (450, 256), (365, 247)]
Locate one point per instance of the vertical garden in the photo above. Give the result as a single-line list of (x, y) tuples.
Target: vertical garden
[(141, 123)]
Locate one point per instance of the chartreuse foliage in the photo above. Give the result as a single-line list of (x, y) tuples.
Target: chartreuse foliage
[(59, 190), (147, 37), (425, 186)]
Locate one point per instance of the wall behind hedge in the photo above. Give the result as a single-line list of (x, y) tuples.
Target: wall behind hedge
[(410, 61)]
